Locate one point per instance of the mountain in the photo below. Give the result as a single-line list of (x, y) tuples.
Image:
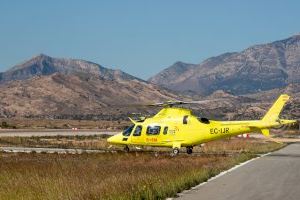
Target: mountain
[(45, 65), (225, 106), (257, 68), (49, 87)]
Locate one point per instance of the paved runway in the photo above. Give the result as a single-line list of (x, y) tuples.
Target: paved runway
[(273, 177), (50, 132), (51, 150)]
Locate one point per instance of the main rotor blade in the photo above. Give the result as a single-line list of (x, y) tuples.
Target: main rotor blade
[(168, 103), (199, 102)]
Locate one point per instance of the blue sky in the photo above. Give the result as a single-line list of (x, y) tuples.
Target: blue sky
[(140, 37)]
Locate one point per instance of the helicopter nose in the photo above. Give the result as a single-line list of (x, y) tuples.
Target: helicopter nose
[(110, 139), (113, 139)]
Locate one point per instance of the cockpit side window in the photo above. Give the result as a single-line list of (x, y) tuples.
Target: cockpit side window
[(128, 131), (185, 119), (153, 130), (165, 130), (137, 130)]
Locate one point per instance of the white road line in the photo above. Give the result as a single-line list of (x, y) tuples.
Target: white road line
[(49, 150), (219, 175)]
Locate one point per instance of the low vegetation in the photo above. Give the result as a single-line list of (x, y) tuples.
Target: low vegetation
[(135, 175), (5, 125), (292, 133), (242, 145)]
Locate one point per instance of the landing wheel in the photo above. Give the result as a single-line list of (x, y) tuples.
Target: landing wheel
[(189, 150), (126, 149), (175, 151)]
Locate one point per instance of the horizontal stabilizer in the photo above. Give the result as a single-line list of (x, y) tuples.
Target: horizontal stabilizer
[(266, 133)]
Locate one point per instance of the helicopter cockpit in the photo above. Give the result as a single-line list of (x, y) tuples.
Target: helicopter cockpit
[(128, 130)]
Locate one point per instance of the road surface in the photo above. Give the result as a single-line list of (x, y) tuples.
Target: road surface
[(51, 132), (51, 150), (272, 177)]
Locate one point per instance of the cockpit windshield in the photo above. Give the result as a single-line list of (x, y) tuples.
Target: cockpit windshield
[(128, 130)]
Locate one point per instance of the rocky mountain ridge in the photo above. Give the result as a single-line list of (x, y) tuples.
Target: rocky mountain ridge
[(45, 65), (49, 87), (257, 68), (244, 84)]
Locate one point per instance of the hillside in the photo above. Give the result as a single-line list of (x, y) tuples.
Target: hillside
[(257, 68), (225, 106), (46, 65), (48, 87)]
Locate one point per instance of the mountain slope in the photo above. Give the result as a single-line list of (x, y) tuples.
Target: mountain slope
[(258, 68), (46, 65), (50, 87)]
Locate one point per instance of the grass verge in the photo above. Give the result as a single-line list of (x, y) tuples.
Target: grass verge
[(116, 175)]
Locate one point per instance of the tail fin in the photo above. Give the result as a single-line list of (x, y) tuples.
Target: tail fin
[(273, 113), (271, 119)]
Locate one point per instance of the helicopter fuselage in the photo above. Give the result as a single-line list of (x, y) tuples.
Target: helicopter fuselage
[(178, 127)]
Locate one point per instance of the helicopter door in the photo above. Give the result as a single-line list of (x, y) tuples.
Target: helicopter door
[(137, 135), (166, 137), (153, 135)]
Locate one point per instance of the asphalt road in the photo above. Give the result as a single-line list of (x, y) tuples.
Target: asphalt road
[(50, 150), (272, 177), (50, 132)]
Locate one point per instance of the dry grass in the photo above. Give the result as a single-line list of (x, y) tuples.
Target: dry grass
[(135, 175), (241, 145), (104, 176), (286, 133)]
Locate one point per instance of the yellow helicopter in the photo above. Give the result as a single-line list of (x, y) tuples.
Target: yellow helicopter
[(177, 127)]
